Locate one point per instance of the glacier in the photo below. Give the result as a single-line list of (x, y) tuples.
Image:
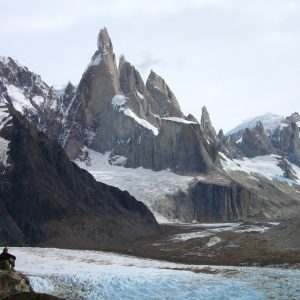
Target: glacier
[(76, 274)]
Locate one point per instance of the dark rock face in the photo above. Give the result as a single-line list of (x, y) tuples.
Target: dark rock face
[(220, 202), (232, 200), (163, 102), (287, 141), (47, 200), (178, 146), (215, 202)]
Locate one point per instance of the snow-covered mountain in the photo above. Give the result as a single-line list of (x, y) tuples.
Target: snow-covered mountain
[(267, 134), (269, 121), (113, 122)]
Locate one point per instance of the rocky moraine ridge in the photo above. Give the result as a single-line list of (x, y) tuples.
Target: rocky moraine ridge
[(140, 124)]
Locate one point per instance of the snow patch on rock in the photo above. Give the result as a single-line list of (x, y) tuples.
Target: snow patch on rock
[(179, 120), (19, 100), (213, 241), (128, 112), (38, 100), (118, 101)]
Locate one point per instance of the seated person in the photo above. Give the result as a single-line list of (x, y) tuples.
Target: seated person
[(7, 261)]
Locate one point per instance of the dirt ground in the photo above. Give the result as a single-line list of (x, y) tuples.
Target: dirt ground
[(249, 244)]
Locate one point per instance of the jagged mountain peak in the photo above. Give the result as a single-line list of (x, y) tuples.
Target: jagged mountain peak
[(104, 42), (130, 80), (166, 102), (206, 123), (7, 60), (294, 117), (158, 82)]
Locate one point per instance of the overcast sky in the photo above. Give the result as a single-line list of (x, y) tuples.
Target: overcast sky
[(238, 58)]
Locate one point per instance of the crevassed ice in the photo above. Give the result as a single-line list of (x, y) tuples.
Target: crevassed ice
[(77, 274)]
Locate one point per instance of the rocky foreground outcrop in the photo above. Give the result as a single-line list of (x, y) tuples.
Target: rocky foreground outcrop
[(47, 200), (16, 286), (12, 283)]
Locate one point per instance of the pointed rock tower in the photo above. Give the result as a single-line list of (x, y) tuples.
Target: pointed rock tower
[(114, 111)]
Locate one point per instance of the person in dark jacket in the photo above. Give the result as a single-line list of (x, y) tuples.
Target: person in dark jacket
[(7, 260)]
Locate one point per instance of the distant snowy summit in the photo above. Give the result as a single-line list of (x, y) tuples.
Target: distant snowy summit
[(267, 134), (270, 122)]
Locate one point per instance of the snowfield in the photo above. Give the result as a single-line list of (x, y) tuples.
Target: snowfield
[(75, 274), (155, 189), (211, 229), (152, 188), (266, 166)]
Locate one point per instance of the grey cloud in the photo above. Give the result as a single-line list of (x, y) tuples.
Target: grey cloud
[(148, 62)]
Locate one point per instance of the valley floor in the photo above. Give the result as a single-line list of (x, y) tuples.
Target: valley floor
[(237, 244), (187, 261)]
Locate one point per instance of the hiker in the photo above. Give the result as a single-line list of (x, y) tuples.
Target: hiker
[(7, 261)]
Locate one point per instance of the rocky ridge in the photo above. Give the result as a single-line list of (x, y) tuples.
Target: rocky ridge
[(46, 200), (16, 286)]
